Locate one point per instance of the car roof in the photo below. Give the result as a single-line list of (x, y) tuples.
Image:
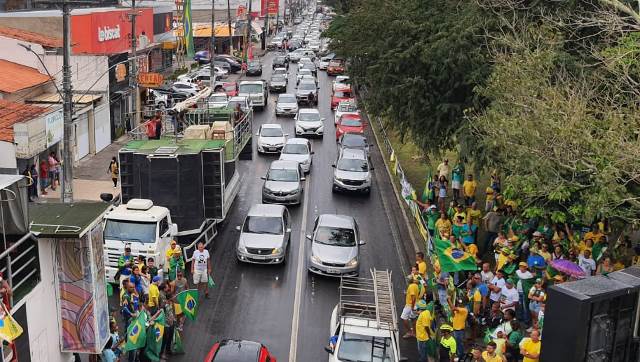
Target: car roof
[(308, 110), (271, 125), (284, 165), (237, 351), (219, 94), (341, 221), (238, 98), (353, 153), (184, 83), (354, 135), (251, 82), (298, 141), (266, 210), (351, 115), (286, 95)]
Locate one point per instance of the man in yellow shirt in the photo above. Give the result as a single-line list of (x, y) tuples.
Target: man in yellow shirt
[(421, 264), (444, 227), (595, 234), (490, 355), (408, 314), (459, 323), (154, 295), (424, 332), (469, 190), (447, 346), (474, 214), (531, 347)]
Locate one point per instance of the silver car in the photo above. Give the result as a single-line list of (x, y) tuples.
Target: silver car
[(283, 183), (299, 150), (309, 123), (335, 246), (287, 105), (352, 171), (264, 235)]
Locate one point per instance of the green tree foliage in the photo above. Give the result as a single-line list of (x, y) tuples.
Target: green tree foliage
[(419, 61)]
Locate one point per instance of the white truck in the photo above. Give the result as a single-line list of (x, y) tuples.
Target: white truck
[(364, 324), (256, 91), (142, 225)]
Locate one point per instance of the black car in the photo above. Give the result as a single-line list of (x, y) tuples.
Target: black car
[(278, 83), (234, 65), (254, 67), (294, 44), (280, 62)]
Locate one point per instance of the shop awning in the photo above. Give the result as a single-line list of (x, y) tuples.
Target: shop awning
[(203, 30), (52, 98)]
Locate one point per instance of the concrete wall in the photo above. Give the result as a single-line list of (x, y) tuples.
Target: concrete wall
[(85, 70), (7, 155)]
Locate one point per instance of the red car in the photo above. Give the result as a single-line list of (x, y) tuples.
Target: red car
[(335, 67), (341, 94), (231, 88), (349, 123), (230, 350)]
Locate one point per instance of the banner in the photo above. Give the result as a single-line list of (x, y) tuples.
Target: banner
[(137, 333), (187, 25), (154, 338), (9, 328), (188, 301)]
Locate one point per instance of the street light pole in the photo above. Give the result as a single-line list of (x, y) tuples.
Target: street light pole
[(246, 46), (67, 108), (133, 75)]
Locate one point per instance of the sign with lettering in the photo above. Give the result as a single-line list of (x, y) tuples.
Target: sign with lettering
[(150, 80)]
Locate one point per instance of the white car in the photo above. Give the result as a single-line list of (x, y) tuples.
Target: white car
[(271, 138), (244, 102), (282, 71), (345, 107), (309, 122), (340, 81), (324, 61), (186, 88), (303, 72), (299, 150), (218, 100), (287, 105)]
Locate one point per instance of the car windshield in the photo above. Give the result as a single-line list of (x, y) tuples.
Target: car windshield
[(296, 149), (229, 87), (353, 141), (254, 64), (218, 99), (341, 94), (350, 122), (347, 108), (130, 231), (287, 99), (356, 347), (304, 71), (277, 78), (309, 117), (280, 60), (250, 88), (271, 132), (352, 165), (335, 236), (282, 175), (334, 63), (307, 86), (263, 225)]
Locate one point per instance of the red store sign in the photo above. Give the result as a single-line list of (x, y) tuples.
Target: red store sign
[(108, 32)]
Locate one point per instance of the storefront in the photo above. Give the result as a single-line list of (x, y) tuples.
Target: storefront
[(37, 138), (119, 95)]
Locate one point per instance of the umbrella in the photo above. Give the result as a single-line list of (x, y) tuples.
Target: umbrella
[(536, 261), (567, 267)]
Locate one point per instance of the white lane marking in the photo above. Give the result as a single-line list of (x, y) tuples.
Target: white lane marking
[(293, 346)]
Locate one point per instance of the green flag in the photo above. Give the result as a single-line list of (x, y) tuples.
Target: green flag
[(453, 259), (427, 190), (137, 333), (187, 26), (154, 338), (188, 301), (597, 250), (210, 282), (176, 344)]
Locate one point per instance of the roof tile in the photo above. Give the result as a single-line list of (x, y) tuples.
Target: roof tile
[(12, 113), (15, 77), (31, 37)]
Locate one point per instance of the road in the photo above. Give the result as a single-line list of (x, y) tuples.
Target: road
[(284, 307)]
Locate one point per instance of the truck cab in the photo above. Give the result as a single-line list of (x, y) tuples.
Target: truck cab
[(363, 324), (255, 91), (146, 228)]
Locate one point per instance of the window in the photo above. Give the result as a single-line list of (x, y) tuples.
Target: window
[(132, 231), (164, 227)]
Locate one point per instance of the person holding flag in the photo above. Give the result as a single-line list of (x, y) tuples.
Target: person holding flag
[(136, 335), (456, 179), (188, 301), (155, 336)]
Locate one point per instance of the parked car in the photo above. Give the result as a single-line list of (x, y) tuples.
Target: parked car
[(287, 105), (354, 140), (234, 65), (352, 171), (202, 57), (309, 123), (345, 107), (305, 89), (324, 61), (278, 83), (238, 351), (340, 95), (264, 235), (186, 88), (254, 67), (298, 150), (161, 99), (335, 67), (218, 100), (335, 246), (340, 81), (271, 138), (349, 123), (283, 183)]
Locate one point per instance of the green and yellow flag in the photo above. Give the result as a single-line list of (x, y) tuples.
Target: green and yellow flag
[(9, 328), (187, 26), (188, 301), (453, 259), (137, 333), (154, 338), (426, 192)]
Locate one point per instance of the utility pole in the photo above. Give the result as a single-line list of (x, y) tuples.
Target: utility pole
[(67, 107), (229, 23), (278, 18), (133, 74), (212, 52), (248, 44)]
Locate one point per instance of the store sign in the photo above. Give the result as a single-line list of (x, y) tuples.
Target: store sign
[(107, 33), (54, 123), (30, 137), (241, 11), (273, 7), (150, 80), (121, 72), (270, 6)]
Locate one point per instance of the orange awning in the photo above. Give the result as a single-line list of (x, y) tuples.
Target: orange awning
[(202, 30)]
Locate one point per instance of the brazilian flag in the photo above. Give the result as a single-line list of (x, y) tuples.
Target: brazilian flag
[(137, 333), (187, 26), (426, 193), (154, 338), (453, 259), (188, 301)]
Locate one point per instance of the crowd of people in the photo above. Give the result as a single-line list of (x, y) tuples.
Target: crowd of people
[(494, 310), (43, 177), (145, 288)]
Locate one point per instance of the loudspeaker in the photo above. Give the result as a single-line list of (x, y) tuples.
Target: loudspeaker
[(594, 319)]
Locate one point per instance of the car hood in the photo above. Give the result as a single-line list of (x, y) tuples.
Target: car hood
[(350, 129), (287, 105), (272, 140), (305, 92), (309, 124), (278, 82), (261, 241), (294, 157), (351, 175), (281, 186), (334, 254)]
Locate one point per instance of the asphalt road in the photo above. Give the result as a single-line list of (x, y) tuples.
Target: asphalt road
[(284, 307)]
